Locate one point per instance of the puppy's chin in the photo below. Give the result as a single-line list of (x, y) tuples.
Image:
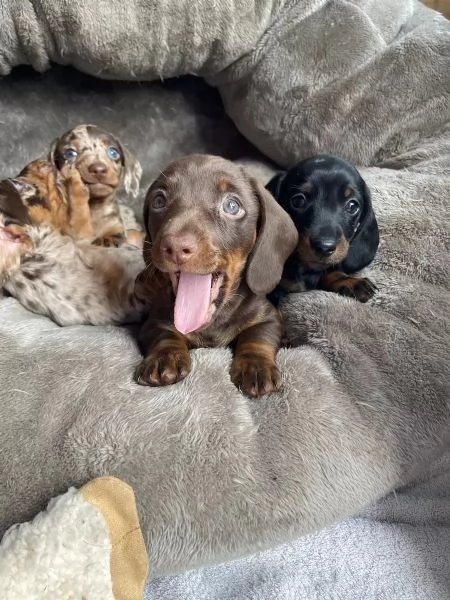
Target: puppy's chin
[(100, 189)]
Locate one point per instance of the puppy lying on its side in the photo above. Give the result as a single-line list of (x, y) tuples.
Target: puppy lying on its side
[(68, 280)]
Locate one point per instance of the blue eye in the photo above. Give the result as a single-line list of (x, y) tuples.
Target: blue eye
[(231, 206), (70, 154), (113, 153)]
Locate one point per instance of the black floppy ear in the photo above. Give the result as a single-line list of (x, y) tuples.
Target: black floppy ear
[(274, 185), (276, 240), (364, 244)]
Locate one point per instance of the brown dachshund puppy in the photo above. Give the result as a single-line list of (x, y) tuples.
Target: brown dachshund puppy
[(57, 198), (102, 162), (216, 244)]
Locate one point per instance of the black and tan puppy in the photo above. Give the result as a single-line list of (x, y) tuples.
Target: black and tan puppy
[(216, 245), (330, 205)]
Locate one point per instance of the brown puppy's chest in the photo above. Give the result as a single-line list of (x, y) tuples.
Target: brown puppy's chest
[(224, 329)]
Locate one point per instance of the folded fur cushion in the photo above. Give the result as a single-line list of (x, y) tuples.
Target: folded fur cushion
[(357, 78)]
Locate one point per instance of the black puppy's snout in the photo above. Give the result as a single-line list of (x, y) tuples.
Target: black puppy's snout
[(323, 246)]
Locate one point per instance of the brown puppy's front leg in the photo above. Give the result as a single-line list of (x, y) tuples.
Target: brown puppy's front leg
[(253, 369), (166, 355)]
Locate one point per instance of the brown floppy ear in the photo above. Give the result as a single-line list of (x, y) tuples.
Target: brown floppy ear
[(276, 240), (132, 172)]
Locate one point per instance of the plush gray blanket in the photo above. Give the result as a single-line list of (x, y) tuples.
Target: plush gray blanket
[(398, 549), (358, 78), (365, 401)]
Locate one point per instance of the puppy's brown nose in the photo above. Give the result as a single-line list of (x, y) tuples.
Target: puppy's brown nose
[(97, 168), (178, 248)]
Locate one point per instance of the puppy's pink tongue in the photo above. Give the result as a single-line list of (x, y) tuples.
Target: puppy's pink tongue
[(192, 301)]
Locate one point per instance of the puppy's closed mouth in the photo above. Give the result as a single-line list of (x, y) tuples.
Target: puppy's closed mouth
[(195, 295), (99, 188)]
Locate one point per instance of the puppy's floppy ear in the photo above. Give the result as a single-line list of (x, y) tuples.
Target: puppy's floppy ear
[(132, 172), (364, 244), (276, 240), (274, 185), (25, 190), (51, 157), (11, 204)]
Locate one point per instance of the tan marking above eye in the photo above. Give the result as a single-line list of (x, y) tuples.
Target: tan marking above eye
[(224, 184), (306, 187), (348, 192)]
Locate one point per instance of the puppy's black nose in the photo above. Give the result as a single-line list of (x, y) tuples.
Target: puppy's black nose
[(323, 246)]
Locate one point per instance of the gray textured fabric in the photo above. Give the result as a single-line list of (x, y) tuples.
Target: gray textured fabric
[(364, 404), (399, 549), (298, 77)]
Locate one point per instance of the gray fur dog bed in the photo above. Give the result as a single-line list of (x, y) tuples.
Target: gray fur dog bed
[(365, 401)]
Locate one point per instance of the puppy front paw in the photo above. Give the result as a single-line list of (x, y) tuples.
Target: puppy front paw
[(255, 376), (360, 288), (110, 241), (163, 367), (69, 172)]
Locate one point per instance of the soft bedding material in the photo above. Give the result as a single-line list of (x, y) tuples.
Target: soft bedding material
[(398, 549), (365, 402)]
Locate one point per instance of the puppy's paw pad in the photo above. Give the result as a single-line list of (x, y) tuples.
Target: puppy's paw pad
[(163, 368), (113, 241), (255, 376)]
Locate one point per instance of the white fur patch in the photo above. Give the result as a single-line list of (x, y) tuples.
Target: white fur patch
[(63, 554)]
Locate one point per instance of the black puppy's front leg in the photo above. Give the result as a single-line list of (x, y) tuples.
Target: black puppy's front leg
[(253, 369), (360, 288)]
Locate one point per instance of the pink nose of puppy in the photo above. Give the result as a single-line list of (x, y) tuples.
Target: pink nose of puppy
[(178, 248), (97, 168)]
